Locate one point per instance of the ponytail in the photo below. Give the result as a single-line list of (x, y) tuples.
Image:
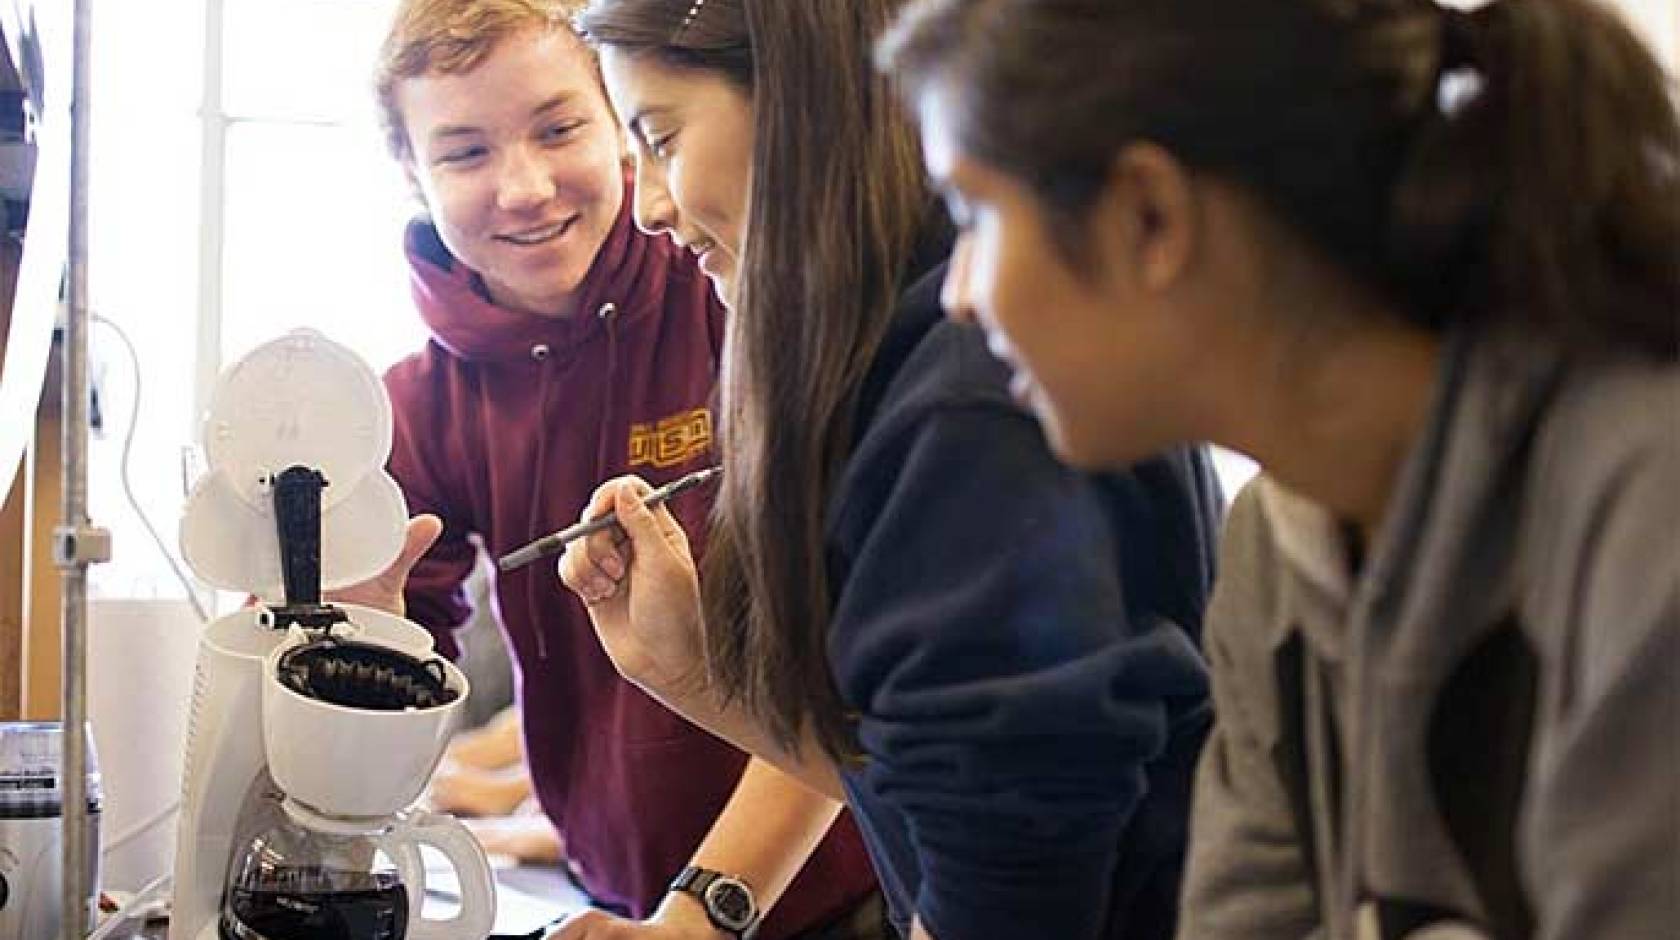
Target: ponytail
[(1550, 189)]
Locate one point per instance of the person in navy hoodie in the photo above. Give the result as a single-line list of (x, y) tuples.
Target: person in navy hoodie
[(568, 347)]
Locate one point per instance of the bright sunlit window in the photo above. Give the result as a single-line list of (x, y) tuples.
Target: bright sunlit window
[(314, 206), (240, 190)]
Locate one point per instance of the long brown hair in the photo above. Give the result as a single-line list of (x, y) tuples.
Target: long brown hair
[(1521, 161), (838, 194)]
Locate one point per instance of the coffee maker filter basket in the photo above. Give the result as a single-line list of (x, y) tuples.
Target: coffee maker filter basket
[(350, 761)]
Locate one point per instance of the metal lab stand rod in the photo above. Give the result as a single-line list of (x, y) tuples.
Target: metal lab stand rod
[(76, 542)]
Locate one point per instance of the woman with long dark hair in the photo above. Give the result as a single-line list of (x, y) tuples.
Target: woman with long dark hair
[(1424, 266), (905, 600)]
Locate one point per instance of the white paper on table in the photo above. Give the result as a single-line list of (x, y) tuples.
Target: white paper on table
[(521, 911)]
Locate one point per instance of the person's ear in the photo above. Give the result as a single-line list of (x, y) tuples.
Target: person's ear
[(1147, 211)]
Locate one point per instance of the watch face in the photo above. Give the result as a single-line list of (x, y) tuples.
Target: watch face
[(731, 904)]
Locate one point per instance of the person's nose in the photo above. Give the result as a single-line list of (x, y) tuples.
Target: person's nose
[(954, 293), (524, 182), (654, 212)]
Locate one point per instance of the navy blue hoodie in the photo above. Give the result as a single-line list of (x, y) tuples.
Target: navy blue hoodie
[(1019, 643)]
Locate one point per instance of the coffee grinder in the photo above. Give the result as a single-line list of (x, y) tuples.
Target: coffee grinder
[(32, 828), (313, 727)]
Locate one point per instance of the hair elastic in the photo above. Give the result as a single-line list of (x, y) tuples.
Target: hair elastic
[(1458, 78), (688, 18)]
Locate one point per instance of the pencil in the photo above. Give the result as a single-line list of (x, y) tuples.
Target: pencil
[(555, 542)]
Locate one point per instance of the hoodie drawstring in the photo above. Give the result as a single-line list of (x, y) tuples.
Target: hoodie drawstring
[(608, 315), (540, 354)]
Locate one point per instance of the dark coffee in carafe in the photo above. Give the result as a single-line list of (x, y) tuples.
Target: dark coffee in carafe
[(336, 906)]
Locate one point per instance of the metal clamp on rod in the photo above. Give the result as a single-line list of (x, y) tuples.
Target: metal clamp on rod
[(80, 545)]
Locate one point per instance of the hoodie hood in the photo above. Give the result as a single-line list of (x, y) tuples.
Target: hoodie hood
[(455, 306)]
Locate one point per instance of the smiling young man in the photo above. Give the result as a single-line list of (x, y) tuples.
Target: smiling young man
[(568, 347)]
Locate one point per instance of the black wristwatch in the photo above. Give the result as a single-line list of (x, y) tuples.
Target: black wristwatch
[(728, 901)]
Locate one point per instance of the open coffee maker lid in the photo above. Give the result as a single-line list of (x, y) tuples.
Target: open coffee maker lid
[(31, 771), (298, 401)]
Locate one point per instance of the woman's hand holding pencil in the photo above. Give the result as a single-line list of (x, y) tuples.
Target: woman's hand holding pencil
[(641, 589)]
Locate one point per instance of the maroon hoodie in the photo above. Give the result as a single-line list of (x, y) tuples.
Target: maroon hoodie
[(505, 424)]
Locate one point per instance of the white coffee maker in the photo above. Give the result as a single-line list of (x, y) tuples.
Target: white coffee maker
[(296, 800)]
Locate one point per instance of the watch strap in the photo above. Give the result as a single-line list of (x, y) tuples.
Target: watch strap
[(694, 880)]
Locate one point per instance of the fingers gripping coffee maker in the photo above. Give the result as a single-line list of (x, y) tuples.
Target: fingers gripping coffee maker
[(314, 727)]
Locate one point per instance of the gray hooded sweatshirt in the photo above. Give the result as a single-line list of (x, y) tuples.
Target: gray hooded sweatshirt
[(1476, 734)]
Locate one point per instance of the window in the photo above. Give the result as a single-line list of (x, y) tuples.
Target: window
[(240, 189), (314, 207)]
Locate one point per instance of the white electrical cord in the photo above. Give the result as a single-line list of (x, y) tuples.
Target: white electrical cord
[(127, 483), (146, 898), (148, 894), (140, 828)]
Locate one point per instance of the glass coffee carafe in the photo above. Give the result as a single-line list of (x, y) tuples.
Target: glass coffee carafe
[(292, 883), (319, 878)]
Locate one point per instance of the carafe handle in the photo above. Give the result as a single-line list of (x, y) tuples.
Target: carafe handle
[(477, 914)]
